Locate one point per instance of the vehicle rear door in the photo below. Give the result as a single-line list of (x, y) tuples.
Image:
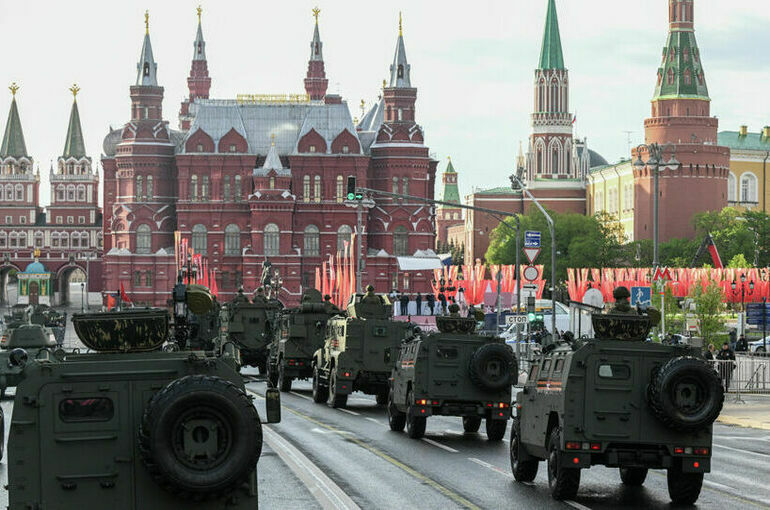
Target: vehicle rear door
[(613, 395)]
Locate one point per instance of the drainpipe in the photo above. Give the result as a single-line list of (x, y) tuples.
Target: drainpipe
[(764, 181)]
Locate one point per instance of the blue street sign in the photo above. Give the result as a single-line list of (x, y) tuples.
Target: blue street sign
[(757, 312), (531, 239), (641, 296)]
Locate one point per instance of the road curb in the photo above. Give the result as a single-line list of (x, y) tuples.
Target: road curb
[(743, 422)]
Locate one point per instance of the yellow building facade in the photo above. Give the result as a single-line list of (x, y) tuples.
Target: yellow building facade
[(610, 189), (747, 186)]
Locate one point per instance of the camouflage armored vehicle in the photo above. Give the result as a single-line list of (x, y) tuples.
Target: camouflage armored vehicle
[(54, 320), (299, 333), (618, 401), (453, 373), (251, 328), (24, 341), (132, 426), (359, 351)]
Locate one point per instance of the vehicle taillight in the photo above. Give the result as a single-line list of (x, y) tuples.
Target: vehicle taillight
[(572, 445), (346, 374), (421, 402), (596, 446), (701, 451), (679, 450)]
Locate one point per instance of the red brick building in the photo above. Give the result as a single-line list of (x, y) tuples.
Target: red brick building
[(263, 177), (681, 116)]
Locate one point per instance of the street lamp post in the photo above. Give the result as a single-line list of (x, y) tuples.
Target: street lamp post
[(733, 285), (82, 297), (656, 164), (360, 205)]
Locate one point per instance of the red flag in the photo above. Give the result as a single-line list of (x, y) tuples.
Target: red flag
[(318, 278), (214, 288), (712, 248), (206, 274), (123, 294), (110, 302), (324, 288)]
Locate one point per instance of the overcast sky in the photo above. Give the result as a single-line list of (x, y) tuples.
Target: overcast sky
[(472, 63)]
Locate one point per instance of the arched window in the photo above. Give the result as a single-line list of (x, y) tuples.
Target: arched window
[(272, 240), (539, 161), (395, 185), (271, 182), (3, 239), (60, 193), (65, 240), (400, 241), (670, 75), (400, 70), (148, 187), (38, 239), (75, 240), (137, 191), (554, 96), (205, 188), (194, 188), (232, 240), (340, 189), (312, 245), (317, 188), (84, 240), (555, 162), (200, 239), (732, 187), (343, 236), (143, 239), (237, 188), (306, 188), (226, 188), (405, 186), (81, 193), (22, 239), (541, 98), (687, 77), (748, 189)]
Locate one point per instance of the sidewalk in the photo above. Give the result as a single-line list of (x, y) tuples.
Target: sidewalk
[(755, 413)]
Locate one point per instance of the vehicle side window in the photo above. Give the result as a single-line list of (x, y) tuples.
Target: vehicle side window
[(533, 372), (546, 367), (446, 352), (86, 409), (614, 371), (559, 365)]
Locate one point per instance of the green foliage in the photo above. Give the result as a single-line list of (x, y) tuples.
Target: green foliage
[(738, 262), (708, 306)]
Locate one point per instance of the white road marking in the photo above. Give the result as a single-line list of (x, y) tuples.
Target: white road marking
[(741, 450), (326, 492), (575, 504), (719, 486), (439, 445), (320, 431), (349, 411), (374, 421), (490, 466), (300, 395)]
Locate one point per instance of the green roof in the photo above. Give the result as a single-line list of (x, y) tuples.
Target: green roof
[(681, 73), (503, 190), (450, 169), (749, 142), (451, 192), (551, 56), (74, 146), (13, 140)]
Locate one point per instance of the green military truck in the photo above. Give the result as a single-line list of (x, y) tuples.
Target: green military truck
[(453, 373), (359, 351), (299, 333), (132, 426), (617, 401), (251, 328), (24, 341)]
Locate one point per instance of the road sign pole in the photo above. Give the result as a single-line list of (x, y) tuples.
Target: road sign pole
[(663, 311), (518, 296), (764, 325)]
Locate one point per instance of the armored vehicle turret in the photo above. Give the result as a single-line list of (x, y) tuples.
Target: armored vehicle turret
[(24, 341), (299, 333), (359, 351), (618, 401), (453, 373)]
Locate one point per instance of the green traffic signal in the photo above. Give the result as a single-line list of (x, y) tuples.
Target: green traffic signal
[(530, 317), (351, 196), (539, 316)]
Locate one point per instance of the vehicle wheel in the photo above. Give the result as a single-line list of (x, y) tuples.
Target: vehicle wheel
[(396, 418), (334, 399), (285, 382), (495, 429), (320, 392), (523, 470), (471, 423), (686, 394), (200, 437), (760, 349), (492, 367), (262, 367), (382, 398), (684, 488), (563, 482), (633, 476), (415, 425)]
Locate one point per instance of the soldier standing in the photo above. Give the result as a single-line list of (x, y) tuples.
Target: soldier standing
[(404, 304), (726, 359), (431, 302), (259, 297)]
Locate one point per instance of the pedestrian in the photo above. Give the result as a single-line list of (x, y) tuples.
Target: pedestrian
[(418, 301), (442, 303), (726, 358), (404, 303), (733, 337), (742, 345), (709, 354), (431, 303)]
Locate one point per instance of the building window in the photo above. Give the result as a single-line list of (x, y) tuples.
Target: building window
[(22, 220), (317, 188), (346, 149), (731, 187), (64, 240), (58, 220), (748, 189), (340, 189), (60, 193), (343, 236), (81, 220), (70, 192), (687, 77), (84, 240), (539, 161), (272, 240), (200, 147), (143, 239), (400, 241), (232, 240), (38, 239), (226, 188), (555, 162), (232, 147), (395, 185), (271, 182), (148, 187), (237, 188), (138, 190), (670, 76), (75, 243), (405, 185), (148, 278), (194, 188), (312, 148), (199, 239), (81, 193), (137, 278), (3, 239), (205, 188), (312, 241), (70, 220), (306, 188)]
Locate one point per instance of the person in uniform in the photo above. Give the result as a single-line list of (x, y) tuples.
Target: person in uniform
[(370, 296), (454, 310), (329, 304), (241, 297), (259, 297), (418, 302), (431, 303)]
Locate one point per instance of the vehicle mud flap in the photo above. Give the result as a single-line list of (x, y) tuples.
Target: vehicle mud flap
[(415, 421), (493, 367), (320, 390), (200, 437), (284, 381)]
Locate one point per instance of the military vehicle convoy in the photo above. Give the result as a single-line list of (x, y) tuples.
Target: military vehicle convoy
[(359, 351), (132, 426), (618, 401), (453, 373), (251, 327), (298, 334)]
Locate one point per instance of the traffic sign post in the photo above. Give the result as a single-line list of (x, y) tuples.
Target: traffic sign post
[(531, 239), (531, 273), (641, 296), (515, 319), (531, 254)]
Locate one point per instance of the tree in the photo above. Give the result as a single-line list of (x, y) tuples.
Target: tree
[(738, 262), (708, 305)]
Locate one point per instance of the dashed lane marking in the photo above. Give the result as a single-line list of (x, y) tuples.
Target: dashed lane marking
[(719, 486), (348, 411), (373, 420), (740, 450), (575, 504), (494, 468), (445, 491), (439, 445), (300, 395)]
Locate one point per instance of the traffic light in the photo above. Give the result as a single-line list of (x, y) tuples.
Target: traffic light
[(351, 194)]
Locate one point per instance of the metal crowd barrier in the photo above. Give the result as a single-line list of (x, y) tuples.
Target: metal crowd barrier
[(747, 374)]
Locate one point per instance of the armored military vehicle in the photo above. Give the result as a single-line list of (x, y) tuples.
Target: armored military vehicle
[(453, 373), (359, 351), (251, 328), (298, 334), (52, 319), (132, 426), (618, 401), (24, 341)]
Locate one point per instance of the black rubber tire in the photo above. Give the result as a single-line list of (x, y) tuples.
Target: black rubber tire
[(471, 423), (563, 482), (684, 374), (495, 429), (320, 392), (382, 398), (334, 399), (162, 437), (633, 476), (523, 470), (493, 367), (283, 381), (415, 424), (684, 488), (396, 418)]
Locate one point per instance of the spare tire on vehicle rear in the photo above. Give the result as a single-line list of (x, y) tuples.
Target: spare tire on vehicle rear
[(686, 394), (493, 367), (200, 437)]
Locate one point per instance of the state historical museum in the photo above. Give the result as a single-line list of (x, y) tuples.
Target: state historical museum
[(263, 177)]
